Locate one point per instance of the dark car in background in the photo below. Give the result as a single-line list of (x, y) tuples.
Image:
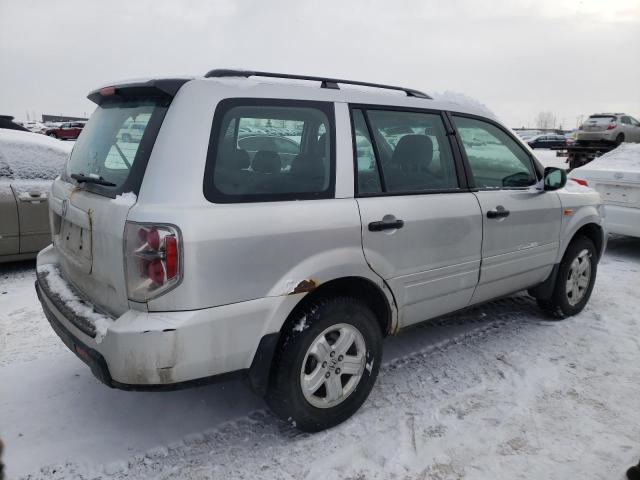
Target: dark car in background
[(6, 122), (547, 141), (66, 131)]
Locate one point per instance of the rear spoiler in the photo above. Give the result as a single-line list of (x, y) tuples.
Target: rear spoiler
[(165, 88)]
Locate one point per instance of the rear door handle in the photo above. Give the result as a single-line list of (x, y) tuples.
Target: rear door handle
[(498, 212), (385, 225)]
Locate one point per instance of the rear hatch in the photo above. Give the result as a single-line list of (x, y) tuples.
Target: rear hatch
[(90, 202), (598, 123)]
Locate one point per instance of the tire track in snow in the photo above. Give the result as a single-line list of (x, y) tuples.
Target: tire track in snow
[(412, 386)]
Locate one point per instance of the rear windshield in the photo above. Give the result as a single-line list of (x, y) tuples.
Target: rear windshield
[(115, 144), (602, 118)]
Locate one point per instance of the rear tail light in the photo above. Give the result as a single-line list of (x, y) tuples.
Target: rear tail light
[(579, 181), (152, 259), (611, 126)]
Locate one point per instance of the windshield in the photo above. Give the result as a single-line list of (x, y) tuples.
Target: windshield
[(108, 149)]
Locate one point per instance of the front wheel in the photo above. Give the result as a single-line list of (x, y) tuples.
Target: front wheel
[(326, 363), (574, 283)]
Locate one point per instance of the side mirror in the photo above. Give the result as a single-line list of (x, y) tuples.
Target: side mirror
[(554, 178)]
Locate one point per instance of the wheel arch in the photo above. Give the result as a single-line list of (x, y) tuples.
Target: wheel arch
[(377, 296), (593, 232)]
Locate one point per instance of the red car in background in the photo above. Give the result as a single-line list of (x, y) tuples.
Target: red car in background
[(66, 131)]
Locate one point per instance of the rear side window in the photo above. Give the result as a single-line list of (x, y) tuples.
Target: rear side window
[(107, 149), (270, 150), (495, 159)]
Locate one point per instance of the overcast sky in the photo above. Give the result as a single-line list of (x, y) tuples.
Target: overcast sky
[(518, 57)]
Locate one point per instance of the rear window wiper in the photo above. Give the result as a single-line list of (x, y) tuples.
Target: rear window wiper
[(82, 178)]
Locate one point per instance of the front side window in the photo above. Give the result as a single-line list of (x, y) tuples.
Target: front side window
[(413, 151), (495, 159), (265, 150)]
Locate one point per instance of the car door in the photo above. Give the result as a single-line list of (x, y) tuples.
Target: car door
[(421, 226), (521, 224), (33, 213), (9, 226)]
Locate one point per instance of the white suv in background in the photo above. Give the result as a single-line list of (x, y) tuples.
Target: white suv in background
[(609, 127), (186, 258)]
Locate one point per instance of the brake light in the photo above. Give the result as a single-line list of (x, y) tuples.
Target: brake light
[(611, 126), (579, 181), (171, 256), (108, 91), (152, 259)]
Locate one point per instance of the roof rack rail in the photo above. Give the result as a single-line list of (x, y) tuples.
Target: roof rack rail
[(325, 82)]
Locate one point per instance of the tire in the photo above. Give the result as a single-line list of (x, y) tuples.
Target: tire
[(619, 139), (52, 135), (303, 353), (563, 304)]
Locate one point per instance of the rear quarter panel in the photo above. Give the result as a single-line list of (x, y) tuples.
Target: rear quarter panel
[(239, 252)]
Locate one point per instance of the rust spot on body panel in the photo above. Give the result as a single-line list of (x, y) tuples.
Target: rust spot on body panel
[(305, 286)]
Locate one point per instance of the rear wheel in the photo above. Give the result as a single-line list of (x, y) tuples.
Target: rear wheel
[(326, 364), (574, 283), (619, 139)]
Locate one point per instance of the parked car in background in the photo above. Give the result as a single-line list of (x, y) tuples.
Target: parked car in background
[(7, 123), (66, 131), (547, 140), (613, 128), (28, 164), (35, 127), (616, 176), (133, 132), (198, 253)]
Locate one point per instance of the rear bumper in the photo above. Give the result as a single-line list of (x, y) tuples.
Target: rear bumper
[(623, 220), (143, 350), (604, 135)]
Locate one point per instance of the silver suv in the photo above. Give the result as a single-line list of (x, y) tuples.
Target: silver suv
[(186, 257), (613, 128)]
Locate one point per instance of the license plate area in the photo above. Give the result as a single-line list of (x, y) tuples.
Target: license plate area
[(74, 242)]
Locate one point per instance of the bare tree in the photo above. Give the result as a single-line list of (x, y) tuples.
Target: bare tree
[(545, 120)]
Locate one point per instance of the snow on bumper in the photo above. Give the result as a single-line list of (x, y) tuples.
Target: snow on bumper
[(147, 350)]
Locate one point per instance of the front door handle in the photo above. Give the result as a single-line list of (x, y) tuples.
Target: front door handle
[(386, 225), (498, 212)]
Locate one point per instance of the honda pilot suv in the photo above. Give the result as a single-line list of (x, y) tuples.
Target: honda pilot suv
[(185, 257)]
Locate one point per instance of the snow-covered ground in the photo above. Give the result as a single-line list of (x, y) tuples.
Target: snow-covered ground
[(497, 392)]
